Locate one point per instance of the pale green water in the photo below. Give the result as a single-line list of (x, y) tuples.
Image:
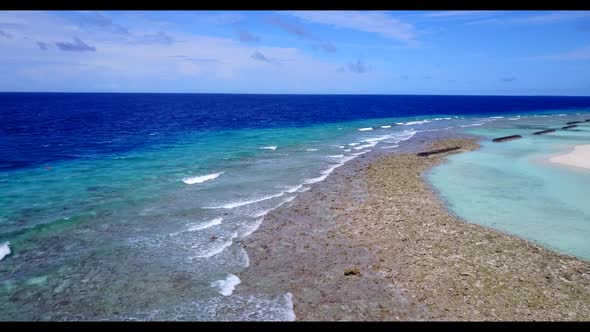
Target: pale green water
[(512, 187)]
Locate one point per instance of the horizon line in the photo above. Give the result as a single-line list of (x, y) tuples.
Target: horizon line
[(293, 94)]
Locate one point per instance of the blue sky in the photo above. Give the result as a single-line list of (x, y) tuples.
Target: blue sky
[(384, 52)]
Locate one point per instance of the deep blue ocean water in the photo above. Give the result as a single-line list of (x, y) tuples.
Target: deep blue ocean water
[(130, 206), (48, 127)]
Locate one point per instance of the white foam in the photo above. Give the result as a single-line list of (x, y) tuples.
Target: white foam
[(327, 172), (353, 144), (412, 123), (360, 153), (290, 314), (336, 156), (318, 179), (385, 127), (4, 250), (201, 179), (287, 200), (293, 188), (265, 212), (268, 148), (226, 286), (405, 136), (471, 125), (207, 224), (310, 150), (347, 150), (322, 177), (377, 139), (365, 129), (262, 213), (513, 119), (365, 146), (349, 158), (341, 146), (496, 117), (242, 203), (389, 146), (251, 227), (216, 249)]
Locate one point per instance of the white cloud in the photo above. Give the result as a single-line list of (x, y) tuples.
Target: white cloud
[(380, 23), (131, 64)]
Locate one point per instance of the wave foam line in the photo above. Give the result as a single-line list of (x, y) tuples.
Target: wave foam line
[(250, 228), (409, 123), (265, 212), (268, 148), (365, 129), (242, 203), (226, 286), (365, 146), (201, 179), (217, 249), (294, 188), (327, 172), (205, 225), (471, 125), (406, 135), (377, 139)]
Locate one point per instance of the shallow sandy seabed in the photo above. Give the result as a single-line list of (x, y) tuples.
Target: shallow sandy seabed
[(415, 260)]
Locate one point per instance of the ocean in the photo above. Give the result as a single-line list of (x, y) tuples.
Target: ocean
[(132, 206)]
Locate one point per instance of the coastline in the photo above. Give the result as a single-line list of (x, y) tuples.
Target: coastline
[(405, 256), (578, 157)]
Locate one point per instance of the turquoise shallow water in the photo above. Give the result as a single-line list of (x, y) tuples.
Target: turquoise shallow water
[(153, 233), (512, 187), (88, 235)]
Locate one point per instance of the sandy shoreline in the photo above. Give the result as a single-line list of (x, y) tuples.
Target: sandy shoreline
[(579, 157), (377, 216)]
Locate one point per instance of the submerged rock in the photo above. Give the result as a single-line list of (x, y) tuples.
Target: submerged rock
[(352, 272), (428, 153), (506, 138), (542, 132)]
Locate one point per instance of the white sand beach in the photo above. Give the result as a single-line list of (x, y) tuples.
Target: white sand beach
[(579, 157)]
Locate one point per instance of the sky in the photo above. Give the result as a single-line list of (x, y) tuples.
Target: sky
[(297, 52)]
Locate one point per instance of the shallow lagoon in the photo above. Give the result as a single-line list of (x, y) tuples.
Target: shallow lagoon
[(512, 187)]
